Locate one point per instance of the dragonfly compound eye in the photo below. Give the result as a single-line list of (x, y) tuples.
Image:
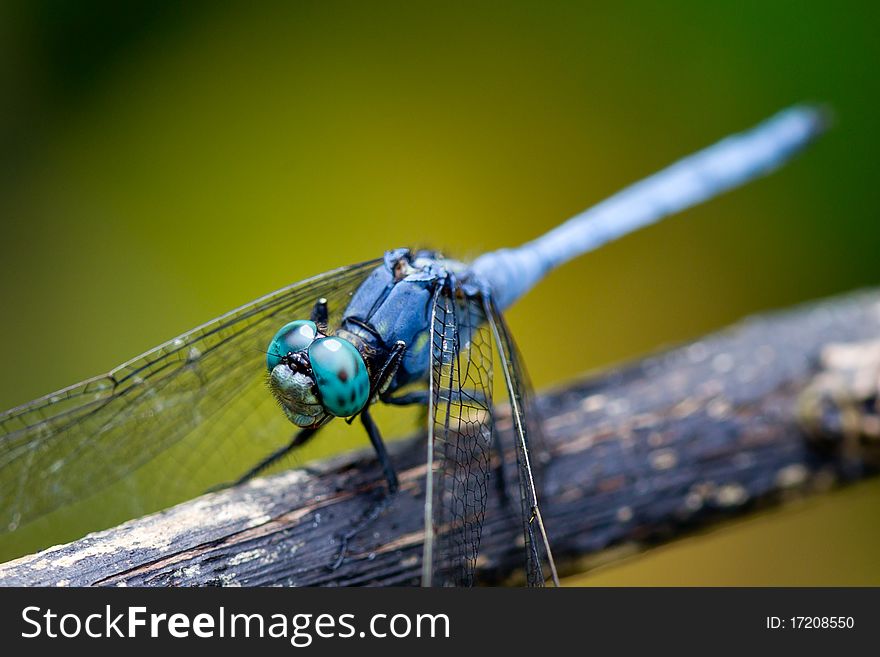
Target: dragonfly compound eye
[(341, 375), (292, 338)]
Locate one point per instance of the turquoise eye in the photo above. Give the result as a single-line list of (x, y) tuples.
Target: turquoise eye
[(294, 337), (341, 376)]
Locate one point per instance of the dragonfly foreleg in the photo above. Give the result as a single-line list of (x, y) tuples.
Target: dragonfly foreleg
[(320, 315), (386, 373), (382, 379)]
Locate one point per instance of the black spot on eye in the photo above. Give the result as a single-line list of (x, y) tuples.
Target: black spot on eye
[(341, 401), (353, 395), (342, 375)]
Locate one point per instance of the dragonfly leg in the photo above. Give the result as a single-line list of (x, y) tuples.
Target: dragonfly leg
[(389, 368), (378, 507), (407, 398), (300, 438), (320, 314), (382, 380), (421, 397), (381, 452)]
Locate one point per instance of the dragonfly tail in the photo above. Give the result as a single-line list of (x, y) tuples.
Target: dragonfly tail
[(729, 163)]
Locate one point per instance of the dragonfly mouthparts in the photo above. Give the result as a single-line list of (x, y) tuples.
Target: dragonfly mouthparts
[(298, 362)]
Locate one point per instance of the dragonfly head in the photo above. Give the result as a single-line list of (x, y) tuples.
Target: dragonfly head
[(314, 376)]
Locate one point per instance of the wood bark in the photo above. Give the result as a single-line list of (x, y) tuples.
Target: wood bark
[(776, 406)]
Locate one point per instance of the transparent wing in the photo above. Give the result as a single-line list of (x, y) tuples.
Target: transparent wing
[(526, 427), (173, 410), (460, 438)]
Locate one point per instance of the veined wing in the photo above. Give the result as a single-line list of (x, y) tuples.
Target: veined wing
[(525, 425), (460, 432), (180, 403)]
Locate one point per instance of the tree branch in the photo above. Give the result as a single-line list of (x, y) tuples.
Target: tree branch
[(775, 406)]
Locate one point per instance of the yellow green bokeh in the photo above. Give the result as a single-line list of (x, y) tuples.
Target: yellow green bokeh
[(161, 166)]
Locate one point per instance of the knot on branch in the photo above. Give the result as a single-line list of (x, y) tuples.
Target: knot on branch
[(839, 408)]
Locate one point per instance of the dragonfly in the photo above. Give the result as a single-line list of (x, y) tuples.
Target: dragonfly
[(410, 328)]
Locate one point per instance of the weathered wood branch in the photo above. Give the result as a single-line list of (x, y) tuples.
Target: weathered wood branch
[(775, 406)]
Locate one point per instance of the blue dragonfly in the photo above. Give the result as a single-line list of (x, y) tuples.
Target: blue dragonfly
[(412, 327)]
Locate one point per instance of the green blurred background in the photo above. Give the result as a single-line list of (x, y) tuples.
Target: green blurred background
[(161, 165)]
